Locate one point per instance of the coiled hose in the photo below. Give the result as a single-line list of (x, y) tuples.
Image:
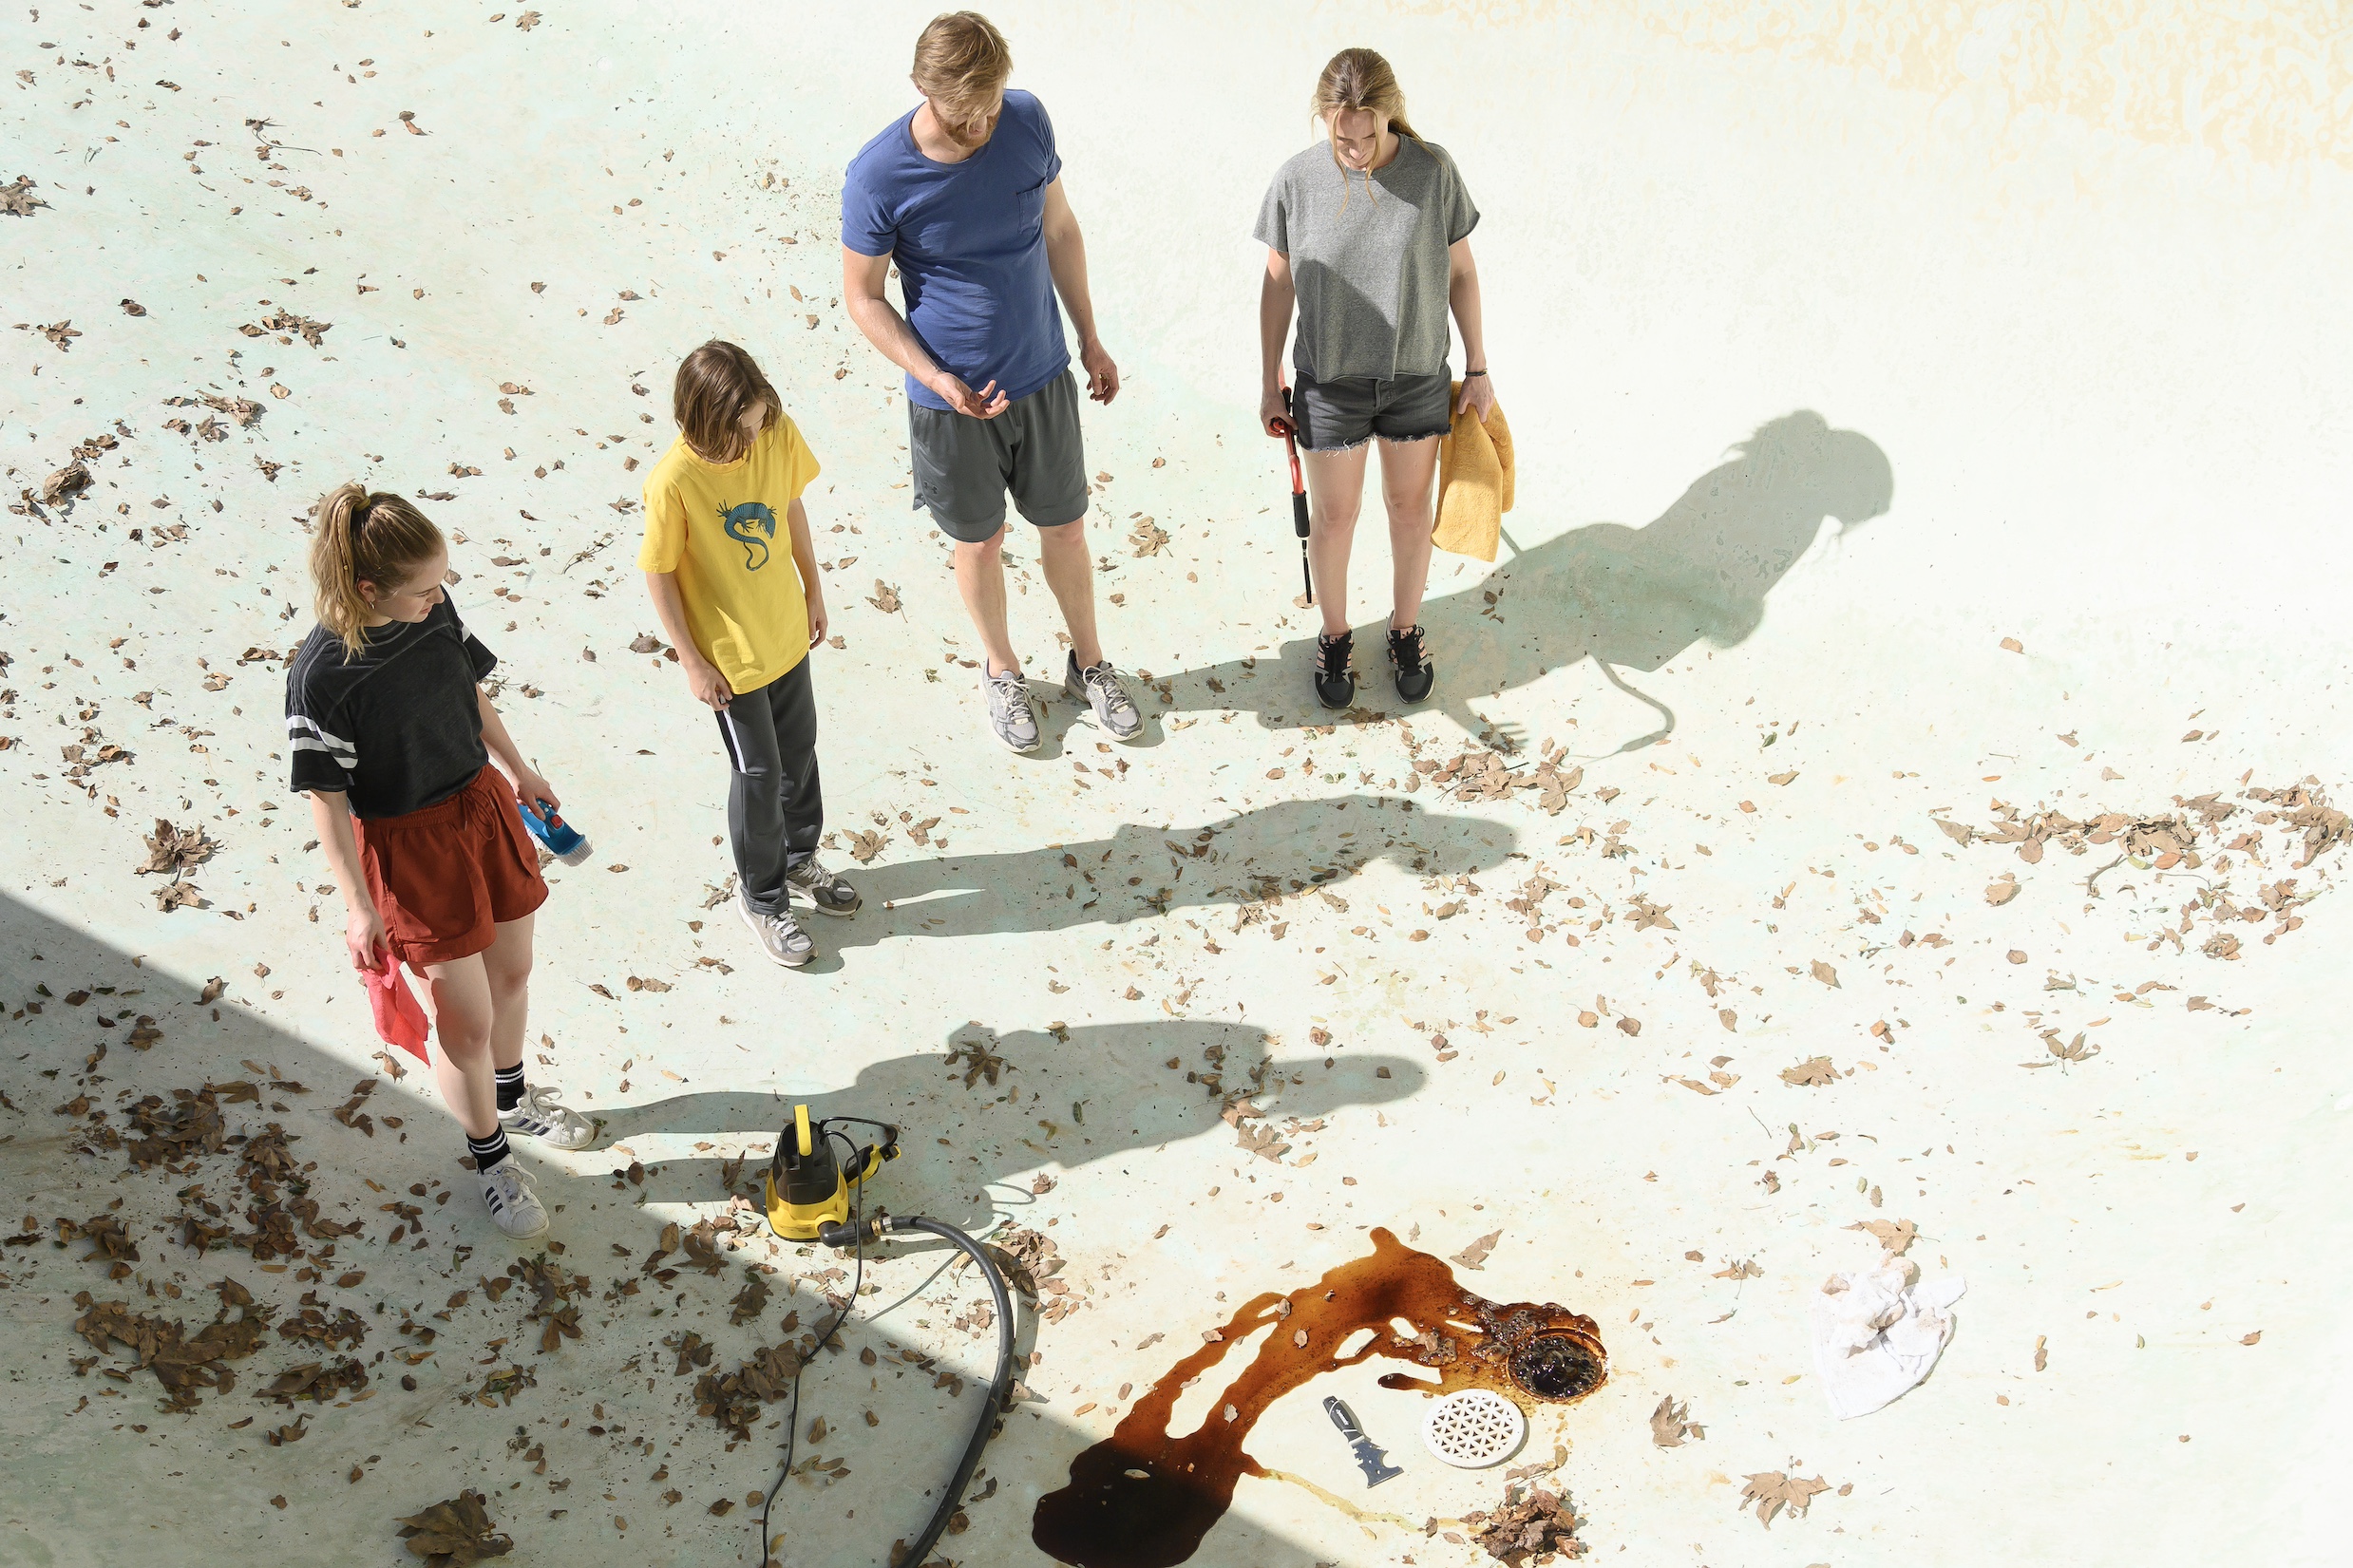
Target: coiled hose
[(855, 1234)]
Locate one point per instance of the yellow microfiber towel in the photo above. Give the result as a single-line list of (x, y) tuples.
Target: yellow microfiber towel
[(1474, 482)]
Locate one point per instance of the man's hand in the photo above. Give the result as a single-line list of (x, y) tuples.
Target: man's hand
[(986, 404), (819, 623), (363, 933), (1478, 395), (1102, 375), (704, 680)]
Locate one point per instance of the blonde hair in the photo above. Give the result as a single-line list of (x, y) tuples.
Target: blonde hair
[(714, 385), (363, 537), (1354, 80), (960, 59)]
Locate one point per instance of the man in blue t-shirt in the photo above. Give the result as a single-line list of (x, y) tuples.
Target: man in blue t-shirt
[(964, 192)]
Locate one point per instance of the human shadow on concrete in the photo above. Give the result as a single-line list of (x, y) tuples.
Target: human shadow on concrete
[(1628, 599), (416, 1444), (1140, 871), (988, 1107)]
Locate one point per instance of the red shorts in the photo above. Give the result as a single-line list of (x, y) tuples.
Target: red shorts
[(445, 877)]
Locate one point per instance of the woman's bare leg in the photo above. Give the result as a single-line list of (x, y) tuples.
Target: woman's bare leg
[(1334, 496), (1409, 469), (459, 994)]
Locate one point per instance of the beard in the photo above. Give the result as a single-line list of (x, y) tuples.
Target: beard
[(968, 135)]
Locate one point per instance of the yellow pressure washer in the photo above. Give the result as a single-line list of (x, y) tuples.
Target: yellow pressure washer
[(809, 1189), (815, 1195)]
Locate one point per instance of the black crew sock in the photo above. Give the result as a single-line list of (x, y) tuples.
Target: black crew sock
[(487, 1151), (510, 1086)]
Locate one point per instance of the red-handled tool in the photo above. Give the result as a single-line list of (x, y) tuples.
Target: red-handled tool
[(1299, 493)]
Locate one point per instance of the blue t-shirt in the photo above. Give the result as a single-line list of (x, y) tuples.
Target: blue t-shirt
[(969, 240)]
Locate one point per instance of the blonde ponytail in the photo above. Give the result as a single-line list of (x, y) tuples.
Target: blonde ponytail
[(363, 537)]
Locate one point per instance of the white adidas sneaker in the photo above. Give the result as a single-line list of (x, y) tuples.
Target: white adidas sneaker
[(538, 1114), (513, 1207)]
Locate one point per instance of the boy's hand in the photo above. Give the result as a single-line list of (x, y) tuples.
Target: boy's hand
[(819, 623), (704, 680)]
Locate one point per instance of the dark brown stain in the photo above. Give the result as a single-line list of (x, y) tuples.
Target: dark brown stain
[(1141, 1499)]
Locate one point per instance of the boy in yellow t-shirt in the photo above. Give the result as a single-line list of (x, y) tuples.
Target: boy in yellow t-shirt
[(743, 606)]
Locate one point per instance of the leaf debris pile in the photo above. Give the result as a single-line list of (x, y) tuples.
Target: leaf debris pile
[(1532, 1525)]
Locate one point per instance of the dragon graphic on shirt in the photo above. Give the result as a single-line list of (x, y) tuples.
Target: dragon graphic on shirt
[(750, 524)]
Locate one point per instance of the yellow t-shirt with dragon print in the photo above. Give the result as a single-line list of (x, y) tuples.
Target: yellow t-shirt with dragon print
[(722, 528)]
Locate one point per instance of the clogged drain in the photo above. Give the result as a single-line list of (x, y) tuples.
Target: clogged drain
[(1558, 1366), (1143, 1498)]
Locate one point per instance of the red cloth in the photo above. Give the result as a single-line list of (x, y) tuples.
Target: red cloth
[(399, 1020), (447, 876)]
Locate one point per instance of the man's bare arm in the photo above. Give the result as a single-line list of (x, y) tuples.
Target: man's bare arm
[(1066, 259), (863, 277)]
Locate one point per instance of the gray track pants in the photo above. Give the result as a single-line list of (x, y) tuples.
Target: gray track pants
[(775, 811)]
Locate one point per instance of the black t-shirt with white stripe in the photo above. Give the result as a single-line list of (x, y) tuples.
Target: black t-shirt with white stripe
[(397, 726)]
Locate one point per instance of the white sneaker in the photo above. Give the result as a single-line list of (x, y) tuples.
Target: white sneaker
[(539, 1115), (513, 1207)]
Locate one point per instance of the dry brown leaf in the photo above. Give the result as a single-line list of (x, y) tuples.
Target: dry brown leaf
[(1474, 1255), (63, 483), (1894, 1235), (174, 850), (1813, 1071), (865, 846), (1828, 975), (17, 199), (1771, 1491), (455, 1534), (1671, 1423), (2003, 891), (884, 597)]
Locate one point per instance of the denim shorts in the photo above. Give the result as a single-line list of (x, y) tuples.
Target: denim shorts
[(1332, 416)]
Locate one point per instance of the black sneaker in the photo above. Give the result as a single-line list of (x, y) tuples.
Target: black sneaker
[(1336, 683), (1415, 673)]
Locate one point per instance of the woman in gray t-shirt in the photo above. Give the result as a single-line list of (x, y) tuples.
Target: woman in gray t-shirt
[(1370, 237)]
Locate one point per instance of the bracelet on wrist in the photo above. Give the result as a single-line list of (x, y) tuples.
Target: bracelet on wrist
[(1468, 374)]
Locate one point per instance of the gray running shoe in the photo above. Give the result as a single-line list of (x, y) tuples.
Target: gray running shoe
[(829, 893), (780, 936), (1011, 717), (1098, 686)]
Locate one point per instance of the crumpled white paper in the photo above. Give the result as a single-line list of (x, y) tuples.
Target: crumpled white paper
[(1878, 1332)]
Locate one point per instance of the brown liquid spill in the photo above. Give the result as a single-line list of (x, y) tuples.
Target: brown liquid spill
[(1141, 1499)]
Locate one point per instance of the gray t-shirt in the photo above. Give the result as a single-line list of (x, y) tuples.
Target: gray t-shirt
[(1368, 254)]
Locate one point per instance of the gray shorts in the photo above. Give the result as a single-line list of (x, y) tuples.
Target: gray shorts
[(1332, 416), (963, 466)]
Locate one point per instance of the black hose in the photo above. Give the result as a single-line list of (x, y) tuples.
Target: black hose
[(999, 1386), (854, 1234)]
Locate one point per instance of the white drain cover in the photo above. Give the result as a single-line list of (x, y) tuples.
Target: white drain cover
[(1474, 1428)]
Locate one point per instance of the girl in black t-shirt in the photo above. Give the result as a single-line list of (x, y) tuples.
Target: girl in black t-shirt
[(393, 738)]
